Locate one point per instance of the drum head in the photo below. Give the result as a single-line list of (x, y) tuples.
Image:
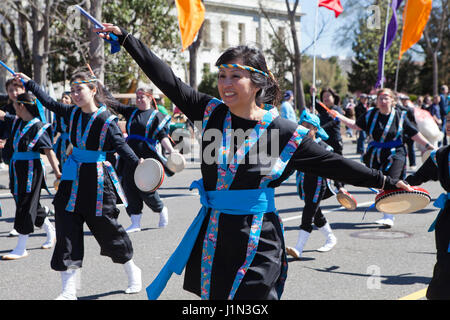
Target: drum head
[(175, 162), (346, 200), (149, 175), (402, 201)]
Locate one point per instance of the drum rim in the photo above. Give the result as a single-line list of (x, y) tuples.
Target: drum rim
[(161, 168), (169, 161), (347, 195), (417, 190)]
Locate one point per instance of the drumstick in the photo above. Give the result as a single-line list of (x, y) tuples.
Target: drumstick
[(87, 15), (10, 70), (90, 69), (332, 112)]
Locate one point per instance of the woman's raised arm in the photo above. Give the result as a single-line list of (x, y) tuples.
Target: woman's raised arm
[(190, 101)]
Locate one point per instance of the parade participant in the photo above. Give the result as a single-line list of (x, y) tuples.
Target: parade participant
[(146, 128), (13, 89), (312, 189), (87, 192), (235, 249), (360, 109), (408, 106), (386, 126), (443, 105), (332, 125), (286, 109), (437, 168), (61, 127), (30, 137)]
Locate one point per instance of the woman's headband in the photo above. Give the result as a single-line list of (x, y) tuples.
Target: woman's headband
[(248, 68), (84, 81), (27, 102)]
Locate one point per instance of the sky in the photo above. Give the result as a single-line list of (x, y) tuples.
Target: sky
[(326, 45)]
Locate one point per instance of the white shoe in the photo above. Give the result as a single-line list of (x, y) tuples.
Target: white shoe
[(14, 256), (69, 284), (135, 223), (163, 218), (297, 251), (134, 274), (13, 233), (20, 251), (331, 239), (51, 235), (387, 220)]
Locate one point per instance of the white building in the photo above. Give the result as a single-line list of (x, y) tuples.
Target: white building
[(230, 23)]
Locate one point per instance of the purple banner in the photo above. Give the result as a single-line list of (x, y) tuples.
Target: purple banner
[(392, 30)]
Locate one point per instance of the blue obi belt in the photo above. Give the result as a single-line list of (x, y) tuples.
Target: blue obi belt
[(71, 171), (236, 202)]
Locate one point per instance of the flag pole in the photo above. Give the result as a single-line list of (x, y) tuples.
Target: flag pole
[(400, 49), (314, 57), (385, 40)]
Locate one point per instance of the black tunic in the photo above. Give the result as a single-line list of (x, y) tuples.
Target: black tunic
[(398, 157), (7, 149), (63, 141), (27, 201), (332, 127), (264, 273), (139, 119), (439, 287), (114, 141)]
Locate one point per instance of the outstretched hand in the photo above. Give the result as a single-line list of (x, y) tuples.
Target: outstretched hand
[(21, 76), (107, 28), (404, 185)]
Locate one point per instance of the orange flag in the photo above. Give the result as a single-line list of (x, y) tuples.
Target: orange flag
[(415, 18), (191, 14)]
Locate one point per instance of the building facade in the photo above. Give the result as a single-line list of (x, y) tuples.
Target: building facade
[(230, 23)]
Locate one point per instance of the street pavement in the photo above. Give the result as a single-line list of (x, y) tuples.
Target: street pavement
[(368, 262)]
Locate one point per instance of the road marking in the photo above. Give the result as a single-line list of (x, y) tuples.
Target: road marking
[(327, 211), (416, 295)]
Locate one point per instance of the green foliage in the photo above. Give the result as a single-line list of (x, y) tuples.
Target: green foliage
[(282, 65), (208, 84), (151, 23), (328, 73), (365, 63)]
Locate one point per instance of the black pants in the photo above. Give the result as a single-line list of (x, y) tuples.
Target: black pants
[(110, 235), (136, 198), (439, 287), (25, 221), (29, 212), (311, 210), (411, 152)]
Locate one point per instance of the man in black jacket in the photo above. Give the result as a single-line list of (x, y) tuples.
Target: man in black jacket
[(360, 109)]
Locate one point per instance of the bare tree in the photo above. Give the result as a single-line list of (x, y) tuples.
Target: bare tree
[(434, 37), (96, 44), (193, 50), (294, 55), (38, 15), (12, 27)]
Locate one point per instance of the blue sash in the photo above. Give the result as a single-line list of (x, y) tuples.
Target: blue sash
[(237, 202), (141, 138), (27, 155), (70, 167), (386, 145)]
